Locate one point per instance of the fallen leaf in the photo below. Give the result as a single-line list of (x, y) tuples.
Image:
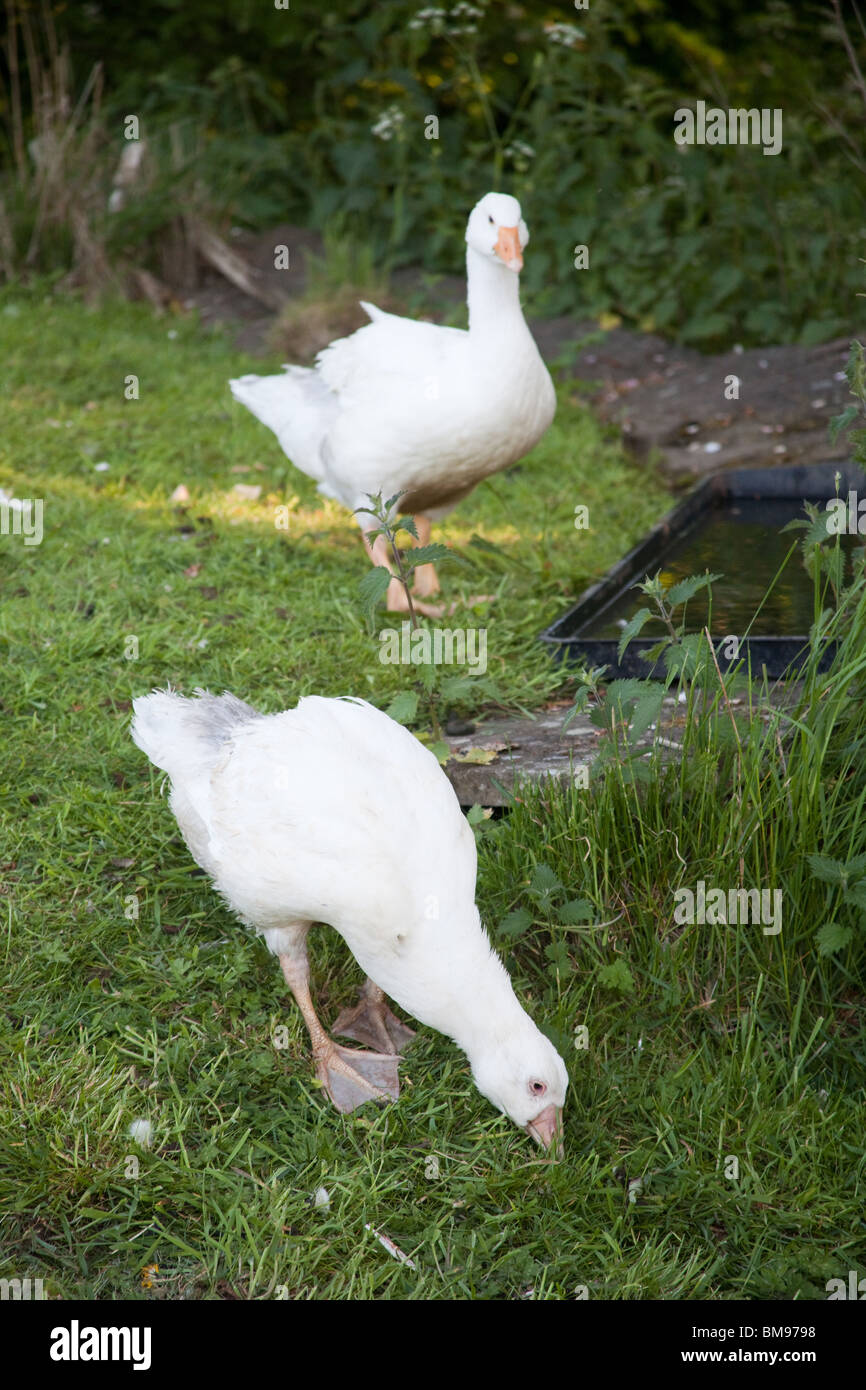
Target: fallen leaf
[(479, 756), (180, 494), (389, 1245), (250, 492), (192, 571)]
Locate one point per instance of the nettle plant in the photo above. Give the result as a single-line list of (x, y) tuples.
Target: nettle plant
[(821, 546), (627, 710), (433, 688), (846, 897), (547, 905)]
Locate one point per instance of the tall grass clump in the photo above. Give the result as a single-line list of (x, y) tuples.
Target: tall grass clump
[(111, 196), (716, 776), (54, 188)]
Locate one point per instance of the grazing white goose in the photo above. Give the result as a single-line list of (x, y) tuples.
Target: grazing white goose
[(416, 409), (331, 812)]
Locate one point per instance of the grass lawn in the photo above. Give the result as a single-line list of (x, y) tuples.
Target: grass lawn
[(705, 1046)]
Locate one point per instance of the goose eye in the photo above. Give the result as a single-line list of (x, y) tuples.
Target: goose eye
[(537, 1088), (490, 220)]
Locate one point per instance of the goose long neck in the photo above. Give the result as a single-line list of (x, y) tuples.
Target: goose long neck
[(483, 1007), (493, 296)]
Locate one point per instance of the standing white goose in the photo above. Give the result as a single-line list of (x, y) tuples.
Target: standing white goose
[(412, 408), (331, 812)]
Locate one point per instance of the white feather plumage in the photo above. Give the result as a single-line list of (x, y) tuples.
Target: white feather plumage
[(332, 812), (412, 408)]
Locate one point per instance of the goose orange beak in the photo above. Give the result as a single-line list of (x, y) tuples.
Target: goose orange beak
[(508, 249), (546, 1129)]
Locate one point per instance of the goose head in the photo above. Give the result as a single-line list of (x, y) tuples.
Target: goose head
[(524, 1076), (497, 231)]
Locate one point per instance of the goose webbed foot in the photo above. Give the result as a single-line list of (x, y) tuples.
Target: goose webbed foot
[(372, 1023), (352, 1078), (396, 601)]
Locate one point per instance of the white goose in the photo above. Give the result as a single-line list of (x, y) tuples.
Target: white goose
[(416, 409), (331, 812)]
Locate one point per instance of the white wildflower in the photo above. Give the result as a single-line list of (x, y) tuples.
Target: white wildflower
[(565, 34), (519, 153), (389, 122), (460, 19), (432, 18)]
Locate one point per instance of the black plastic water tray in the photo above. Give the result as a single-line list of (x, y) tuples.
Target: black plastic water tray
[(782, 490)]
